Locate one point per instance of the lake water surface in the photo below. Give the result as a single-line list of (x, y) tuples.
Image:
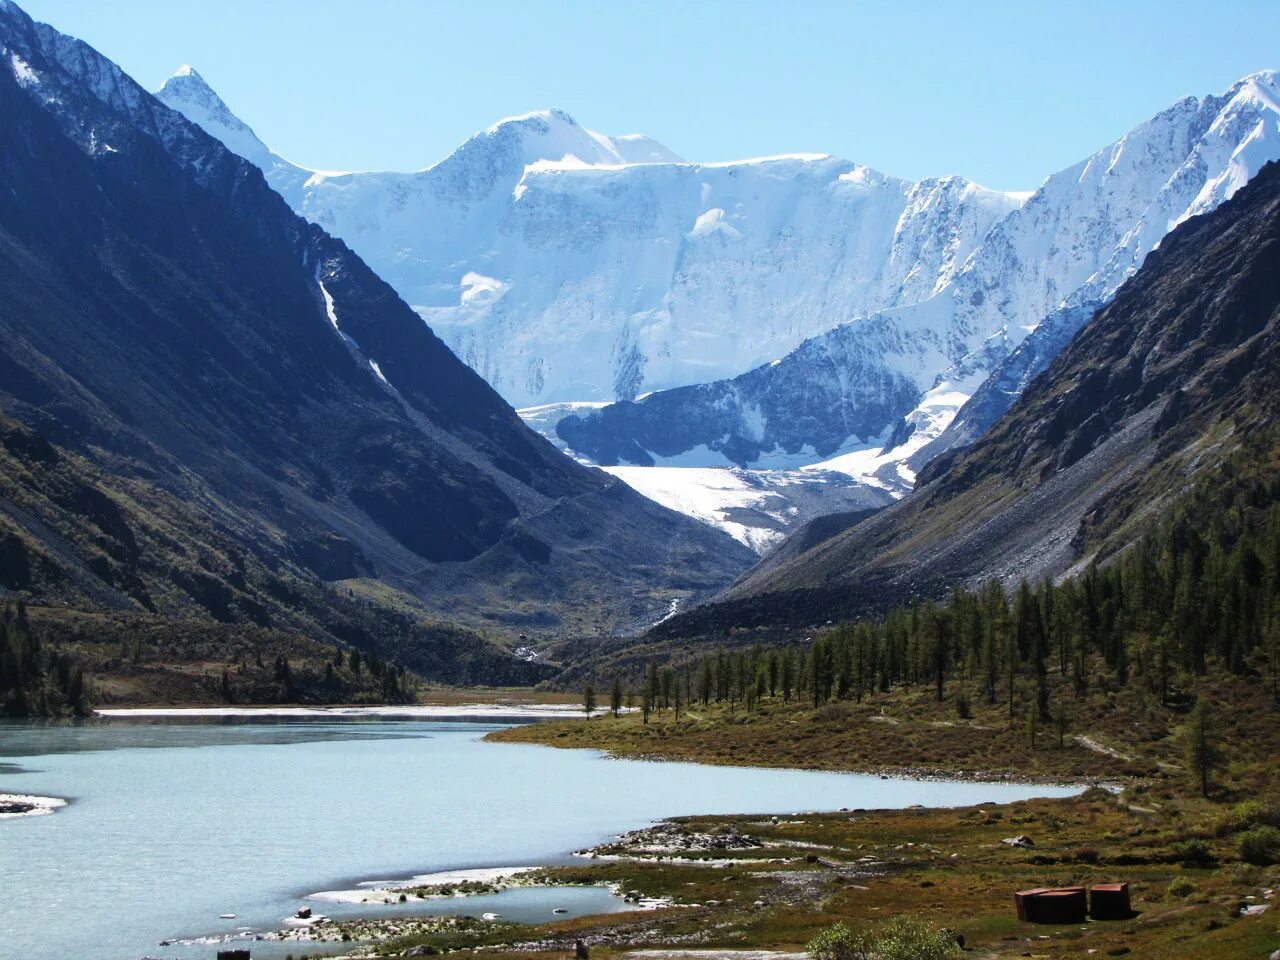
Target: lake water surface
[(172, 823)]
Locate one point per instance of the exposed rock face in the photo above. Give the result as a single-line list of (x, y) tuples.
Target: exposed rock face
[(831, 389), (1001, 389), (197, 369), (1155, 389)]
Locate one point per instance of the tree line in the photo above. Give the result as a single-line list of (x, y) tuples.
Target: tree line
[(347, 673), (1200, 591), (35, 681)]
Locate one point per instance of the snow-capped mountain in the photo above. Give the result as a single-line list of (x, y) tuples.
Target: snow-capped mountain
[(782, 313), (564, 265), (874, 392)]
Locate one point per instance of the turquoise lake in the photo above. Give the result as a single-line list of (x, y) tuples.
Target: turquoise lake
[(171, 824)]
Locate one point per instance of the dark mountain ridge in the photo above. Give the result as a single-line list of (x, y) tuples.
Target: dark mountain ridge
[(253, 412), (1156, 389)]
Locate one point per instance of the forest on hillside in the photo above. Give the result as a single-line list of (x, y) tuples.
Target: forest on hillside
[(1199, 592), (36, 680)]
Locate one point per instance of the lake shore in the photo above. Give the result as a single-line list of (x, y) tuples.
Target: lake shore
[(904, 739), (395, 908), (767, 883), (325, 804)]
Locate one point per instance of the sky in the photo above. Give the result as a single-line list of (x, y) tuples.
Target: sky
[(1001, 93)]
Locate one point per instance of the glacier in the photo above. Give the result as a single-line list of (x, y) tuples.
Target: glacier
[(566, 265)]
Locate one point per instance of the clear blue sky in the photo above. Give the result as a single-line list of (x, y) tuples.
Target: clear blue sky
[(1004, 93)]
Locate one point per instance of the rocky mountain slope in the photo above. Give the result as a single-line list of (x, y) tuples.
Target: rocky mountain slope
[(879, 391), (1155, 390), (214, 408), (564, 265)]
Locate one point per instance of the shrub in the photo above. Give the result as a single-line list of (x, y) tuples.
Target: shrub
[(840, 943), (1193, 852), (833, 713), (1260, 846), (906, 939), (1180, 889), (1243, 874), (902, 938), (1085, 855), (1251, 813)]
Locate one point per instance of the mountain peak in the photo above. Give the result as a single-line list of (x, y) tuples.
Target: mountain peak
[(1262, 88), (190, 94), (535, 119), (552, 134), (187, 84), (1269, 77)]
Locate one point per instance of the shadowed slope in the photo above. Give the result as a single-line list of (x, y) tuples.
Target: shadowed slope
[(170, 321)]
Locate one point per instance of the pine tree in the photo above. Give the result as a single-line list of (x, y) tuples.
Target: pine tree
[(588, 701), (284, 680), (615, 697), (705, 685), (1201, 746)]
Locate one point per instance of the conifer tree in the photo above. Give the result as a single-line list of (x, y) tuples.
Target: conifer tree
[(1201, 746), (615, 697)]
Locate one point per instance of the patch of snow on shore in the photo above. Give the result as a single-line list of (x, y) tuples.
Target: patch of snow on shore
[(40, 806), (379, 889)]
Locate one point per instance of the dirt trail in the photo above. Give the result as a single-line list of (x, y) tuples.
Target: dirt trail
[(1091, 744)]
